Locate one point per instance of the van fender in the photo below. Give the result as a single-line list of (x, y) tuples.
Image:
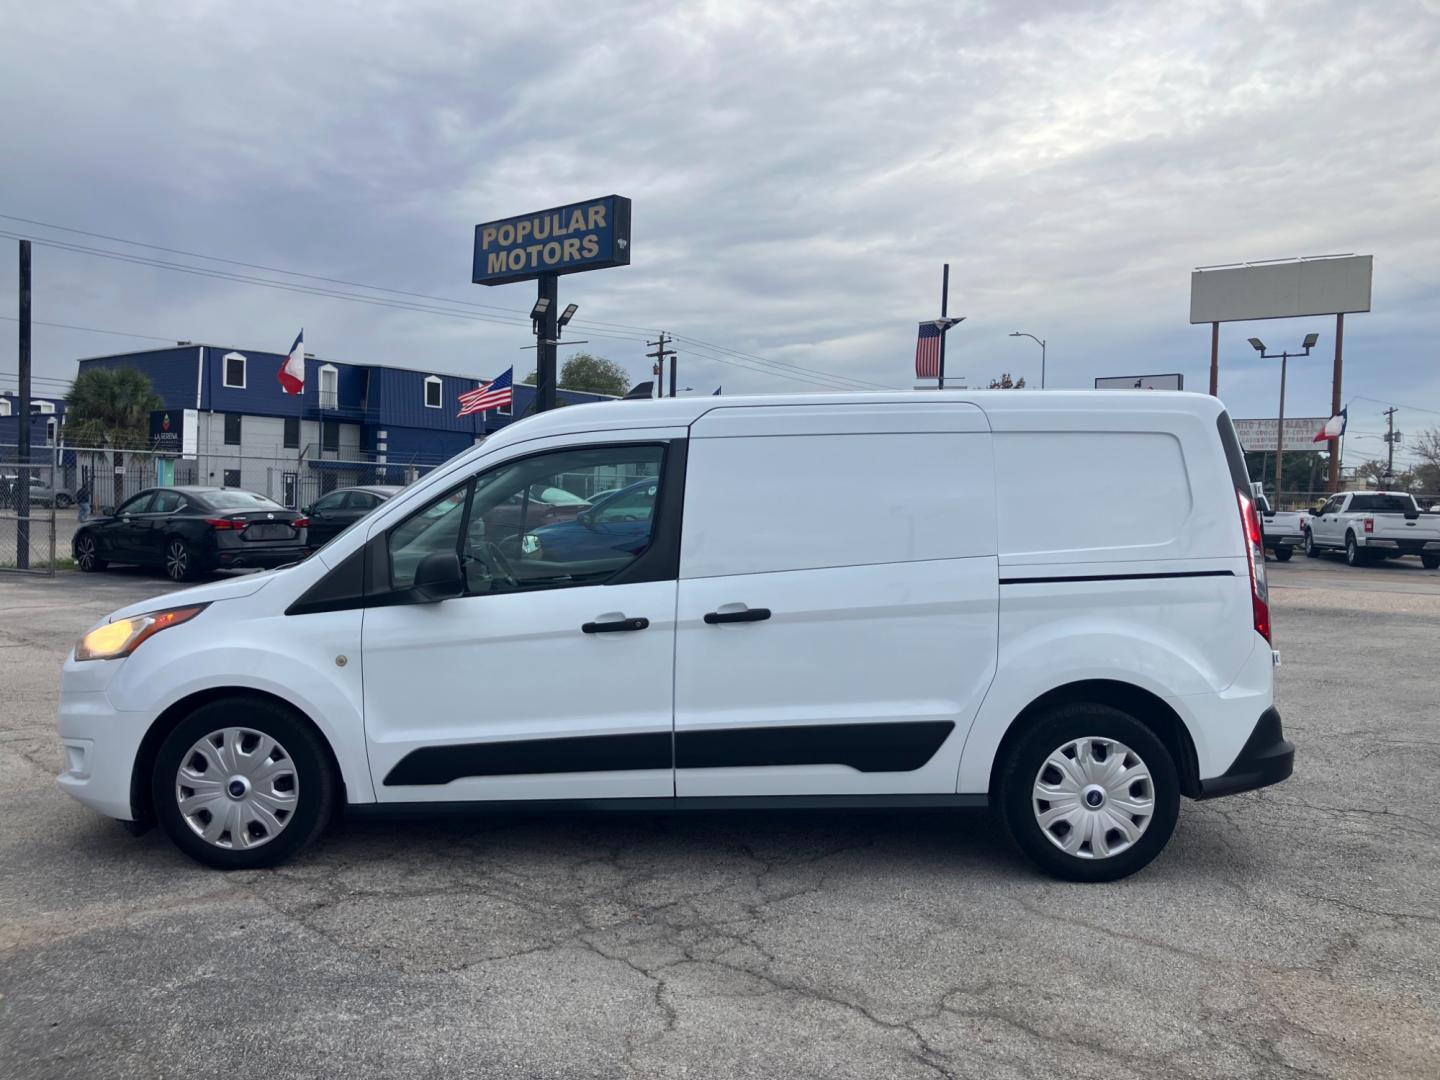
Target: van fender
[(309, 676), (1062, 653)]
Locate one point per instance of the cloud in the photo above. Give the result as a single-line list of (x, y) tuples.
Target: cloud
[(799, 173)]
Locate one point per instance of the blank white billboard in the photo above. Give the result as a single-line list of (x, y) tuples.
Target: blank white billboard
[(1141, 382), (1281, 290)]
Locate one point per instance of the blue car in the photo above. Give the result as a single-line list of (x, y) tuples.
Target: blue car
[(617, 524)]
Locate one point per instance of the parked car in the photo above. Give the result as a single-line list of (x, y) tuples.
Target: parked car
[(530, 508), (617, 522), (1370, 525), (836, 604), (43, 492), (1284, 530), (333, 513), (189, 530)]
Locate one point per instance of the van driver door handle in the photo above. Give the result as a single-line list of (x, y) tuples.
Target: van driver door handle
[(744, 614), (614, 626)]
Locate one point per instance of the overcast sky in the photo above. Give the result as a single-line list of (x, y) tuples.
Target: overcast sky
[(799, 172)]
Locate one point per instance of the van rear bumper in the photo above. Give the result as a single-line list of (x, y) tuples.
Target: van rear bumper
[(1265, 759)]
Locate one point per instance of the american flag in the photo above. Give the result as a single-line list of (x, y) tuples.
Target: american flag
[(490, 396), (927, 347)]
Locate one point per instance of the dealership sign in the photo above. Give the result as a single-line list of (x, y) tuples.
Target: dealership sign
[(565, 240), (1300, 431), (1141, 382), (174, 431)]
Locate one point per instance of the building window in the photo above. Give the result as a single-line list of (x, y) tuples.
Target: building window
[(508, 409), (234, 371), (329, 381), (45, 408), (232, 478), (292, 433), (4, 406), (232, 429), (432, 392), (329, 435)]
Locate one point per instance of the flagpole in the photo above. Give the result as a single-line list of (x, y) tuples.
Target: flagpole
[(944, 311)]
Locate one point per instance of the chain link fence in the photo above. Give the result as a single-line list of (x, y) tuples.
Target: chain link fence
[(28, 497)]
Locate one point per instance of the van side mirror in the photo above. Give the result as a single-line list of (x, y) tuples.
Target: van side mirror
[(438, 577)]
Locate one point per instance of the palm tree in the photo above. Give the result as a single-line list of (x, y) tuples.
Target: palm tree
[(110, 407)]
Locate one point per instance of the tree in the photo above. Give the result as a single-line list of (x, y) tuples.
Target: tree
[(110, 407), (1427, 470), (1005, 383), (591, 374)]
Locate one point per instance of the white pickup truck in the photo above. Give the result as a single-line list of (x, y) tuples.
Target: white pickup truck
[(1284, 530), (1370, 525)]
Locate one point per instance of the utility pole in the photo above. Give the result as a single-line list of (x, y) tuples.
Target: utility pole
[(1391, 438), (22, 425), (659, 356), (944, 311)]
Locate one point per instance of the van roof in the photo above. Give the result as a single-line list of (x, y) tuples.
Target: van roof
[(681, 412)]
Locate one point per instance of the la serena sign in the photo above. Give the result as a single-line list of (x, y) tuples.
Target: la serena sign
[(563, 240)]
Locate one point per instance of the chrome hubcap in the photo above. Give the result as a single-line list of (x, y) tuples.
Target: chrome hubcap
[(237, 788), (1093, 797), (177, 560)]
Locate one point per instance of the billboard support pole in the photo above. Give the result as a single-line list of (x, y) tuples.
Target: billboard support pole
[(1280, 429), (1214, 359), (1335, 401), (545, 350), (944, 311), (22, 425)]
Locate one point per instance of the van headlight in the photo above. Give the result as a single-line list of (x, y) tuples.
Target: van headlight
[(123, 636)]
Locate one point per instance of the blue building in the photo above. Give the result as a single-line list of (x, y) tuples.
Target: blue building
[(353, 423), (47, 418)]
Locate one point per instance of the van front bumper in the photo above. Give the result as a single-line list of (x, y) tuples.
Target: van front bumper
[(1265, 759), (100, 744)]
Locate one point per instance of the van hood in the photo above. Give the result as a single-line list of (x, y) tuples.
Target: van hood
[(229, 589)]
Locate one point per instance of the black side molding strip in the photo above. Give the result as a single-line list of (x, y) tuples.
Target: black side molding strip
[(1115, 577), (886, 747)]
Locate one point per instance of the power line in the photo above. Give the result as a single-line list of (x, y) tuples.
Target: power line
[(508, 316), (89, 329)]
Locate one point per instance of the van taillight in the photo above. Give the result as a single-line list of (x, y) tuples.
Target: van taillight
[(1255, 557), (1369, 525)]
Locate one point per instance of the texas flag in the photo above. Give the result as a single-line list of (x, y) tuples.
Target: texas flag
[(292, 371), (1334, 427)]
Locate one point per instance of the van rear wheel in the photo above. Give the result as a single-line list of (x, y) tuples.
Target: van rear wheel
[(1090, 794), (242, 783)]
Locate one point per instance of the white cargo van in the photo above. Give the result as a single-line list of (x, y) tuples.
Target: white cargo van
[(1053, 604)]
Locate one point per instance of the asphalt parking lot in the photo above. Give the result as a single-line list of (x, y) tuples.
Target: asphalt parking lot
[(1292, 931)]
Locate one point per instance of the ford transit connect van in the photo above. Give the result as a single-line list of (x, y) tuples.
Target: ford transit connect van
[(1053, 604)]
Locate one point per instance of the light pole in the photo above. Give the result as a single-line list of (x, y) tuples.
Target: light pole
[(1283, 357), (1041, 343)]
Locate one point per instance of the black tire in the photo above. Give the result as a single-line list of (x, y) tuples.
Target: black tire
[(1311, 551), (1022, 767), (315, 777), (1353, 555), (1282, 554), (87, 556), (180, 562), (62, 500), (1430, 562)]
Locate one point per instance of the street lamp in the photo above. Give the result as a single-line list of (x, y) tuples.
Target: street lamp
[(1283, 357), (567, 315), (1041, 343)]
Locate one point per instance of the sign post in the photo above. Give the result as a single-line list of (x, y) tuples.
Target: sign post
[(543, 245)]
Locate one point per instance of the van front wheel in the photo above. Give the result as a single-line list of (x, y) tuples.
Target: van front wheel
[(241, 783), (1090, 794)]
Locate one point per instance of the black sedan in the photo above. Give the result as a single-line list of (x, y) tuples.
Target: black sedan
[(189, 530), (336, 511)]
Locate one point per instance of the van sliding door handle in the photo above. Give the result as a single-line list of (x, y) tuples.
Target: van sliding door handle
[(615, 626), (754, 614)]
